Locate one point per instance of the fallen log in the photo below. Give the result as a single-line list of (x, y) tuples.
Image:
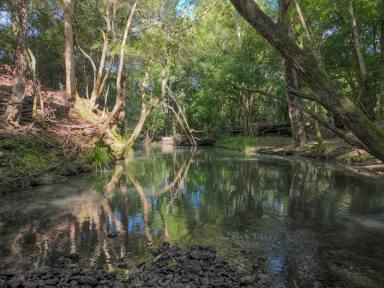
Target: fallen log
[(281, 129)]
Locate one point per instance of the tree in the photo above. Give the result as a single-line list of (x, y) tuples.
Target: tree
[(381, 6), (12, 114), (119, 89), (69, 54), (307, 67), (294, 112), (364, 97)]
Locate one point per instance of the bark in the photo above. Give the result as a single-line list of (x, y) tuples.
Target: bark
[(381, 106), (119, 94), (186, 127), (69, 54), (12, 113), (145, 111), (316, 51), (147, 208), (364, 98), (350, 139), (100, 77), (294, 112), (308, 69)]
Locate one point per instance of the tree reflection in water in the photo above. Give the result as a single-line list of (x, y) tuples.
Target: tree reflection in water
[(303, 216)]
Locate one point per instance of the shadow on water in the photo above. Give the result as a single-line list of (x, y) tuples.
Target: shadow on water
[(311, 221)]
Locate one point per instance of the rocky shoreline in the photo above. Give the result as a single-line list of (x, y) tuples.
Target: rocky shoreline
[(170, 267)]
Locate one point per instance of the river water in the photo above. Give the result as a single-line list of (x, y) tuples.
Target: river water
[(315, 224)]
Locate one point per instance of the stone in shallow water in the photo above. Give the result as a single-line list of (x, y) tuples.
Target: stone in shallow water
[(247, 280), (15, 283)]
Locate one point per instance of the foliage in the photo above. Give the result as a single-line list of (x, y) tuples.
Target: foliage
[(207, 53), (99, 155)]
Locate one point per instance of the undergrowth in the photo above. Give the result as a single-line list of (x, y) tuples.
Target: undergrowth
[(99, 156)]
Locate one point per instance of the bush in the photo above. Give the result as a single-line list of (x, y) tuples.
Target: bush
[(99, 155)]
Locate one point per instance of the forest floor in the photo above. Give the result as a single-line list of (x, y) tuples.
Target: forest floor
[(335, 150)]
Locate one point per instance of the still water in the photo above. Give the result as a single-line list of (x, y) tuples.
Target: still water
[(314, 223)]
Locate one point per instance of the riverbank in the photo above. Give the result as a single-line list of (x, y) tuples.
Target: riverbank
[(58, 141), (170, 266), (47, 153), (335, 150)]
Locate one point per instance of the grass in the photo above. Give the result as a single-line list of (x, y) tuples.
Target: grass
[(83, 110), (99, 155), (240, 143)]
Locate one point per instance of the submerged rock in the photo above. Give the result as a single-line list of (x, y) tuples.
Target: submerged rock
[(196, 267), (170, 267), (15, 283)]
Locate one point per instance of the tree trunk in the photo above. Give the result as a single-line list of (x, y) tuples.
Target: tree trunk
[(69, 54), (307, 67), (12, 113), (99, 78), (364, 97), (145, 111), (381, 104), (294, 112), (316, 51), (119, 95)]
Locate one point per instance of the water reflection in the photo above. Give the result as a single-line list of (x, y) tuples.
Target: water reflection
[(309, 220)]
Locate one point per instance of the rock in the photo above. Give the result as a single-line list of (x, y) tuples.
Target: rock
[(75, 269), (204, 281), (112, 234), (85, 280), (138, 284), (121, 264), (7, 274), (15, 283), (195, 266), (247, 280), (43, 270), (52, 282), (74, 256)]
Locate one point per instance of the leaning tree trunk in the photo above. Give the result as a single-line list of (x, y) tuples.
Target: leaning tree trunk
[(294, 112), (12, 113), (309, 70), (69, 54)]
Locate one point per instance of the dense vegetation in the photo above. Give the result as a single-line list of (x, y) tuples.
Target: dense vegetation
[(156, 68)]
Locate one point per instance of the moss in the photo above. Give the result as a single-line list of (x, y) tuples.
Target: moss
[(7, 143), (24, 158)]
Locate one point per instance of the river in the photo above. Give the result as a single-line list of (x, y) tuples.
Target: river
[(315, 224)]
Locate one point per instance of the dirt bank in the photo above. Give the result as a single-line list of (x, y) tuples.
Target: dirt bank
[(54, 143)]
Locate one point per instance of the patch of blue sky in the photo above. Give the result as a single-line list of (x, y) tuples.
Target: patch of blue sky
[(5, 19), (186, 8)]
